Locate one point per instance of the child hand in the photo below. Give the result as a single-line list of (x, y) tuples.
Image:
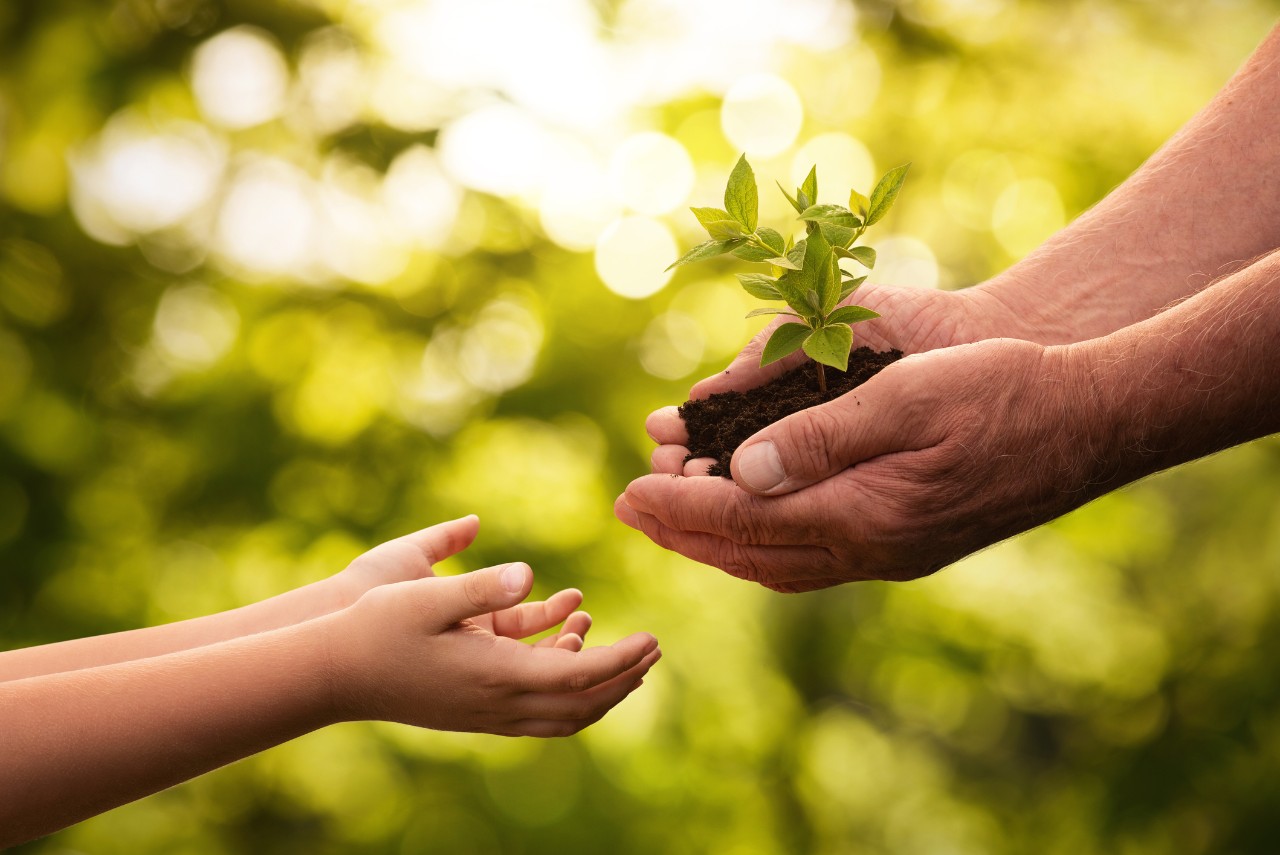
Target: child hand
[(409, 557), (442, 653)]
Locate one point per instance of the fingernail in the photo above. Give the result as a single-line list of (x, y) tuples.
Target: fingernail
[(626, 514), (513, 576), (759, 466)]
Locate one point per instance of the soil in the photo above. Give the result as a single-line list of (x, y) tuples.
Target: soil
[(722, 422)]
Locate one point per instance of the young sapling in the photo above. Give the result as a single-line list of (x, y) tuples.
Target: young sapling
[(806, 274)]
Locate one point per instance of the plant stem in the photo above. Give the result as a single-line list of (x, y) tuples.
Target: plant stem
[(822, 378)]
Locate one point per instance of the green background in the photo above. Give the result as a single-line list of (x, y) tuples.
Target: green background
[(180, 434)]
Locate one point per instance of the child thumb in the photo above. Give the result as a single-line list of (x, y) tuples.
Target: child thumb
[(480, 592)]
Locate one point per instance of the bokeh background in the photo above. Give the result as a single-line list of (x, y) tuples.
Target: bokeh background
[(281, 280)]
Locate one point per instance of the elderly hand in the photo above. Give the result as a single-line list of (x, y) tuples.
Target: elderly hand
[(938, 455)]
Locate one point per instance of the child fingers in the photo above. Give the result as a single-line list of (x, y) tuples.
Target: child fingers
[(575, 626), (578, 623), (571, 717), (552, 670), (440, 541), (570, 641), (529, 618), (455, 598)]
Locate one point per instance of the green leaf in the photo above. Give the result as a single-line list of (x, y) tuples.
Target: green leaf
[(796, 253), (790, 198), (859, 203), (783, 262), (786, 340), (850, 287), (864, 255), (710, 249), (808, 193), (817, 271), (837, 215), (851, 315), (760, 286), (838, 236), (725, 229), (747, 252), (791, 285), (886, 191), (757, 312), (707, 216), (772, 239), (815, 302), (830, 345), (741, 199)]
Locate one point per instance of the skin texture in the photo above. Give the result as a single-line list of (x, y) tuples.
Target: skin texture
[(1111, 352), (438, 652)]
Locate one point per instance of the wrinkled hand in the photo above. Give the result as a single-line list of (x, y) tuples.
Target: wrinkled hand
[(431, 652), (939, 455), (914, 320)]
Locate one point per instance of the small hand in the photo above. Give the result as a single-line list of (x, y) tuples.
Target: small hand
[(937, 456), (422, 652), (411, 556)]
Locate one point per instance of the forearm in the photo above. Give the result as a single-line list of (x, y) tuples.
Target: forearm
[(1200, 377), (1200, 208), (81, 742), (300, 604)]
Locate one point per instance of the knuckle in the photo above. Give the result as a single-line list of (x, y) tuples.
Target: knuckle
[(739, 563), (738, 520), (473, 585), (576, 681), (811, 438)]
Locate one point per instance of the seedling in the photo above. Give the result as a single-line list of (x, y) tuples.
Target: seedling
[(806, 275)]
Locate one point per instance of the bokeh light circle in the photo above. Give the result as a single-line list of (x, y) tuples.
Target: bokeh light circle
[(240, 78), (651, 173), (843, 163), (761, 115), (631, 255)]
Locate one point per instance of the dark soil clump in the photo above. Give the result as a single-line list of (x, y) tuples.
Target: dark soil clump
[(722, 422)]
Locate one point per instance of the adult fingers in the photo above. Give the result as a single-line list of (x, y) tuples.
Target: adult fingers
[(880, 417), (787, 569), (528, 619), (554, 670), (456, 598), (665, 426), (669, 459), (698, 466), (718, 506)]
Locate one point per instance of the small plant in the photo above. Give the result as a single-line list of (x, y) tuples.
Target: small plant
[(807, 274)]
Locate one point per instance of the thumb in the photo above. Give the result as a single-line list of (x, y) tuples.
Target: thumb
[(480, 592), (816, 443)]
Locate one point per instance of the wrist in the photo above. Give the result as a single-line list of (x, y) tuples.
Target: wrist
[(336, 667), (1094, 411)]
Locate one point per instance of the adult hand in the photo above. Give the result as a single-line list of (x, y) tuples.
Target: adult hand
[(938, 455), (913, 320)]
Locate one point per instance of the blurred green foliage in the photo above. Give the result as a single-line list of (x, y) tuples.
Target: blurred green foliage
[(183, 432)]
